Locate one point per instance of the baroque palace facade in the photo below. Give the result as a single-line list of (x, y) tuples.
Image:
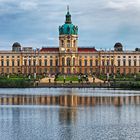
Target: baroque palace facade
[(68, 57)]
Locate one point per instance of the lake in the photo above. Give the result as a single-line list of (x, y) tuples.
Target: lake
[(69, 114)]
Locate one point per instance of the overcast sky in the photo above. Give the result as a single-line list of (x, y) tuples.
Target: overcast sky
[(101, 23)]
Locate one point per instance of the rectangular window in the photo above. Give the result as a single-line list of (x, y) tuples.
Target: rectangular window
[(112, 62), (13, 63), (80, 70), (45, 70), (107, 62), (40, 63), (85, 70), (40, 70), (18, 63), (135, 63), (7, 62), (2, 62), (129, 62), (80, 62), (29, 62), (34, 62), (25, 63), (2, 70), (103, 63), (91, 62), (135, 70), (96, 62), (45, 63), (7, 70), (119, 62), (129, 70), (85, 62), (124, 63), (13, 70), (56, 62), (124, 71), (62, 70)]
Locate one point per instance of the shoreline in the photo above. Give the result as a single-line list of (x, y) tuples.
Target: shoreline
[(85, 85)]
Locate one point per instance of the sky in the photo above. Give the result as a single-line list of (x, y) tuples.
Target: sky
[(102, 23)]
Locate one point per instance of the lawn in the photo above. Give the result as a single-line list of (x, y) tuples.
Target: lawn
[(68, 78)]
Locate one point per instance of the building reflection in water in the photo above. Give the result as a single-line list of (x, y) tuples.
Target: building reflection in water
[(69, 117), (68, 100)]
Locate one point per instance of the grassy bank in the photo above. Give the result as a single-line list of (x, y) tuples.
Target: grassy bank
[(15, 83), (126, 85)]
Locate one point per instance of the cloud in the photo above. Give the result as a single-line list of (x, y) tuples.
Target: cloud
[(101, 22)]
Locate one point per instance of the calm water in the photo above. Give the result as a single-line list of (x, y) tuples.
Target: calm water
[(69, 114)]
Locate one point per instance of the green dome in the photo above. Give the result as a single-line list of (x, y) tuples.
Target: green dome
[(68, 28)]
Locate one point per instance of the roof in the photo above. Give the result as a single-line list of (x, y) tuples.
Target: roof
[(49, 49), (87, 50), (79, 49)]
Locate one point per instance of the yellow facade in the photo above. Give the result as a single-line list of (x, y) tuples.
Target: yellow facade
[(79, 62)]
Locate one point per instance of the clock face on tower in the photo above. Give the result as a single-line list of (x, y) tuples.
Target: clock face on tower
[(62, 49)]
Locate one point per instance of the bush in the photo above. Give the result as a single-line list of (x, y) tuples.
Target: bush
[(15, 83)]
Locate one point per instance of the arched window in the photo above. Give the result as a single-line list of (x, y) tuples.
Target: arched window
[(73, 61), (68, 62), (63, 61)]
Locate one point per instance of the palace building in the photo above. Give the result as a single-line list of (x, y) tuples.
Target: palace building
[(69, 58)]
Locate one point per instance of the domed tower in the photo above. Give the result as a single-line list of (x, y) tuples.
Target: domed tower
[(118, 47), (16, 47), (68, 35), (68, 38)]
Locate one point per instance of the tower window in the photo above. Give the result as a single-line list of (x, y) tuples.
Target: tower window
[(68, 43), (74, 43), (62, 43)]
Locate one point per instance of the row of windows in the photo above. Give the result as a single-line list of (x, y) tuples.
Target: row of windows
[(129, 63), (68, 43), (8, 63), (9, 56), (40, 56), (128, 56), (68, 62)]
